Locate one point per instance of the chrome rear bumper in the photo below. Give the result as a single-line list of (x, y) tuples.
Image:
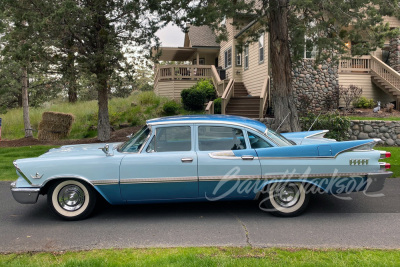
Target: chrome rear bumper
[(25, 195), (376, 181)]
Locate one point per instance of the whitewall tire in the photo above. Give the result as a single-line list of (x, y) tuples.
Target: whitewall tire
[(71, 199), (285, 199)]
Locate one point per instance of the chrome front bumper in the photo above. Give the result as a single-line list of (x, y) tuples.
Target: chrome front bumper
[(25, 195), (376, 181)]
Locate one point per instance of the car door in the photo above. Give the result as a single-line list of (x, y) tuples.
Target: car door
[(166, 169), (228, 168)]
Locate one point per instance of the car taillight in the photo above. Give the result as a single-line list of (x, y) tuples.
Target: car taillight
[(384, 165), (385, 154)]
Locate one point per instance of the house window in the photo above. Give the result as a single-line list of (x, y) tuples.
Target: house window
[(201, 61), (238, 51), (228, 58), (310, 50), (246, 57), (261, 48)]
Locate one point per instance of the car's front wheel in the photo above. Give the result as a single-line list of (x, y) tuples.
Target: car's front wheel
[(285, 199), (71, 199)]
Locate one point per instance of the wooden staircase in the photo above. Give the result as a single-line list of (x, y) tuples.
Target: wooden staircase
[(387, 88), (242, 104), (386, 79)]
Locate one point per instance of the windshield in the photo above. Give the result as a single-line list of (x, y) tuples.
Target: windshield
[(136, 142), (277, 138)]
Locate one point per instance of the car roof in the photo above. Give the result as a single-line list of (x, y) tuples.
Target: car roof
[(223, 119)]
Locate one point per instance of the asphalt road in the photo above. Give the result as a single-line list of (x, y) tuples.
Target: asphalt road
[(372, 222)]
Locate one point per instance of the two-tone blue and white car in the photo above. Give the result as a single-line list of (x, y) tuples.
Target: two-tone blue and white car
[(201, 158)]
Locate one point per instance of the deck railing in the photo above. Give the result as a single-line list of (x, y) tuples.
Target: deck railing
[(360, 64), (182, 72)]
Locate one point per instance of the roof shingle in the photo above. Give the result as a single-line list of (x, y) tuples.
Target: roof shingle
[(202, 36)]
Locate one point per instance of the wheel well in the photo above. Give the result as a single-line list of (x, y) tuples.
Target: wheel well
[(308, 186), (45, 188)]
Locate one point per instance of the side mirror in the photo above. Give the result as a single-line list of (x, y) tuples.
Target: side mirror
[(106, 150)]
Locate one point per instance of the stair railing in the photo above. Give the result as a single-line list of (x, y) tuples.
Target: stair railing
[(226, 96), (210, 107), (264, 96), (218, 83), (379, 68)]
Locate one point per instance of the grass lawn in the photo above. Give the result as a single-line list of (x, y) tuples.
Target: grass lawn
[(207, 256), (360, 118), (9, 154)]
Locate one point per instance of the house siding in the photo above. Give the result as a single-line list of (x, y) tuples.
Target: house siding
[(173, 89), (253, 77), (393, 21), (226, 45), (369, 89)]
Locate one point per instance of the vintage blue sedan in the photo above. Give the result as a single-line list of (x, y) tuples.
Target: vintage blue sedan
[(201, 158)]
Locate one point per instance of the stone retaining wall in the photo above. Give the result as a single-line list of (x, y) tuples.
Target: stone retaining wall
[(388, 131)]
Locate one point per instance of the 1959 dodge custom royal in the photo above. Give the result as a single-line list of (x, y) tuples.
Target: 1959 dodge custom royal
[(201, 158)]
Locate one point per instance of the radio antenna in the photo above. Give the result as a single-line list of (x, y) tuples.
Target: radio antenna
[(282, 122), (314, 122)]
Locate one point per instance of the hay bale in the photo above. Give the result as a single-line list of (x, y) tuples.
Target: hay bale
[(55, 125)]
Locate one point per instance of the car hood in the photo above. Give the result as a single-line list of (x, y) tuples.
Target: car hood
[(78, 150)]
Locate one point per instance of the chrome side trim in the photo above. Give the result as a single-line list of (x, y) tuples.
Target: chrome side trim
[(159, 180), (228, 177), (227, 154), (21, 173), (314, 175), (105, 182)]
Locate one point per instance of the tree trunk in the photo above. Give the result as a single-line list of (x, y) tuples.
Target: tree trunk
[(71, 76), (25, 103), (281, 65), (103, 126)]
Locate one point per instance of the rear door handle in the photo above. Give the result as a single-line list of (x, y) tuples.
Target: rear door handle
[(187, 160), (247, 157)]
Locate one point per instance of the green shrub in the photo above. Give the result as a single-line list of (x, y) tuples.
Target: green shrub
[(171, 107), (208, 88), (193, 99), (217, 105), (337, 125), (364, 102)]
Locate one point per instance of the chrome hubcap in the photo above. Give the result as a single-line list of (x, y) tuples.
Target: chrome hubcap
[(286, 195), (71, 197)]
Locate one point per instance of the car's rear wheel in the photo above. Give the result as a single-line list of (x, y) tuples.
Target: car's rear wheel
[(71, 199), (285, 199)]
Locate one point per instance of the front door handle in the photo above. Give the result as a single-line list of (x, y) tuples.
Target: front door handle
[(187, 160), (247, 157)]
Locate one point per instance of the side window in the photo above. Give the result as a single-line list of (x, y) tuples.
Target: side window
[(257, 141), (170, 139), (213, 138)]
